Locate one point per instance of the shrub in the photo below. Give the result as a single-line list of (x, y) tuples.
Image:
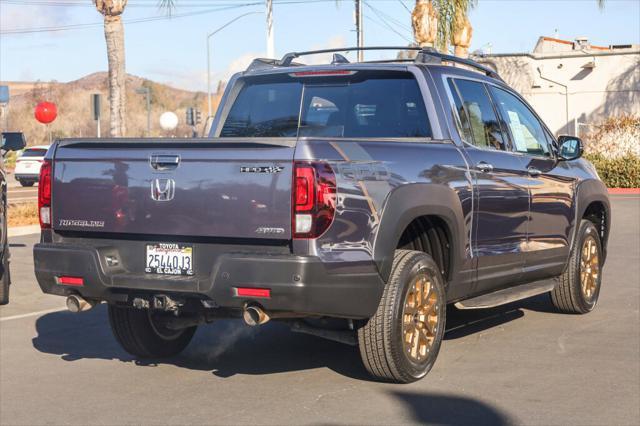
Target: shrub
[(10, 160), (617, 137), (620, 172), (23, 214), (614, 150)]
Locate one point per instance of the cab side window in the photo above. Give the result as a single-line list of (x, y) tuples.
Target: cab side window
[(527, 133), (479, 122)]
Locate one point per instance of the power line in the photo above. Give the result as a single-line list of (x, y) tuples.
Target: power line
[(384, 22), (405, 6), (146, 3), (220, 7), (386, 17), (384, 25), (128, 22)]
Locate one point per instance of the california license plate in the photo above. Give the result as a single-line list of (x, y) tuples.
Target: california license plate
[(169, 259)]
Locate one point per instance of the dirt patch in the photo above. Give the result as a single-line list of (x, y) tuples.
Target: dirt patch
[(23, 214)]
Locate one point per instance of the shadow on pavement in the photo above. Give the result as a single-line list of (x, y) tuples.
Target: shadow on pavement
[(442, 409), (463, 322), (226, 347), (229, 347)]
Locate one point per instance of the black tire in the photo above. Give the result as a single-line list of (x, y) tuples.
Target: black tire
[(143, 337), (5, 281), (381, 338), (568, 296), (23, 183)]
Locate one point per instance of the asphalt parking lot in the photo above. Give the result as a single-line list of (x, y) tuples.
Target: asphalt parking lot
[(18, 194), (518, 364)]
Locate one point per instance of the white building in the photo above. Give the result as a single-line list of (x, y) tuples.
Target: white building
[(572, 84)]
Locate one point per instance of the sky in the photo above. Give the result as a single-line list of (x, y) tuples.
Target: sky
[(173, 51)]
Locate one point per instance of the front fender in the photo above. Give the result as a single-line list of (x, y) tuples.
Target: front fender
[(587, 192)]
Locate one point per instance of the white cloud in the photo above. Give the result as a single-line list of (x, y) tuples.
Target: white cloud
[(238, 64), (197, 79), (24, 17), (242, 62), (325, 58)]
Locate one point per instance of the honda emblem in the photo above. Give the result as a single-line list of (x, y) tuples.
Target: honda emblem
[(163, 189)]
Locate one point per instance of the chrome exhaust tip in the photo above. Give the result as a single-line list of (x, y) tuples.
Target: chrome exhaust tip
[(77, 304), (254, 315)]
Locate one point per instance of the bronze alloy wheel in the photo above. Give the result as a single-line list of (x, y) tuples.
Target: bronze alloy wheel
[(589, 267), (578, 288), (401, 341), (420, 318)]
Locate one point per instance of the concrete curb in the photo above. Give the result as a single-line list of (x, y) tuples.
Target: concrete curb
[(18, 231), (634, 191)]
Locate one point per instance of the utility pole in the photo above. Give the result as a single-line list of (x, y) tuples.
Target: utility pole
[(144, 90), (359, 30), (95, 105), (270, 46)]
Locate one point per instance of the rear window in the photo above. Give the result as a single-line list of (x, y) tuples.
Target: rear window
[(366, 104), (33, 152)]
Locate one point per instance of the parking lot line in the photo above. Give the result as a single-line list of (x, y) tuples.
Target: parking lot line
[(32, 314)]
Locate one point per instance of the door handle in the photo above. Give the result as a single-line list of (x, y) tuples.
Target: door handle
[(164, 162), (484, 167), (533, 171)]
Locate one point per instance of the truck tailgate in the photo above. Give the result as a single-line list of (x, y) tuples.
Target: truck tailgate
[(181, 187)]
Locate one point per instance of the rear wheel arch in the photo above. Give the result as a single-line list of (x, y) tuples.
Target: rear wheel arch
[(430, 234), (404, 207)]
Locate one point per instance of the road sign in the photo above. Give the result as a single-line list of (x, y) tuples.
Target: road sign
[(4, 94)]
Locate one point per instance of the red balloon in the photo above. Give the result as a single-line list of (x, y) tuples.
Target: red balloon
[(46, 112)]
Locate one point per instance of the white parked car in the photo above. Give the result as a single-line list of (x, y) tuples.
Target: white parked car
[(28, 164)]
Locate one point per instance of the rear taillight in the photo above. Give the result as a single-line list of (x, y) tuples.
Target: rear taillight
[(44, 195), (314, 199)]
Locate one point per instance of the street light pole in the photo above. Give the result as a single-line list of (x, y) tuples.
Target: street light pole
[(214, 32)]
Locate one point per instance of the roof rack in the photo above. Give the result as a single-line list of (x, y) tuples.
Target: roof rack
[(426, 55)]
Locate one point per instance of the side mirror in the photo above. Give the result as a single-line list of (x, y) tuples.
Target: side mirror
[(13, 141), (570, 147)]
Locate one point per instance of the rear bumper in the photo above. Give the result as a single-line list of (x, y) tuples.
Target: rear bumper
[(23, 177), (298, 284)]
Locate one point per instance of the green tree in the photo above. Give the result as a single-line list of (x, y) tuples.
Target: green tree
[(440, 23)]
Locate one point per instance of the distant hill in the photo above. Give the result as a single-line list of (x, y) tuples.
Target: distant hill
[(74, 107)]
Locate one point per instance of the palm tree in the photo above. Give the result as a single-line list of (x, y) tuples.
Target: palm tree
[(112, 11), (440, 22)]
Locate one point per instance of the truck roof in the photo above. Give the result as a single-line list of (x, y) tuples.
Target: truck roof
[(425, 56)]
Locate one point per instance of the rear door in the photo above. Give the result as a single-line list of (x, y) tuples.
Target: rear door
[(502, 193)]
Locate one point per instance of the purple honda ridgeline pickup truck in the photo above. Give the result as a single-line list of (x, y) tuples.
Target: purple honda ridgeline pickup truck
[(367, 196)]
